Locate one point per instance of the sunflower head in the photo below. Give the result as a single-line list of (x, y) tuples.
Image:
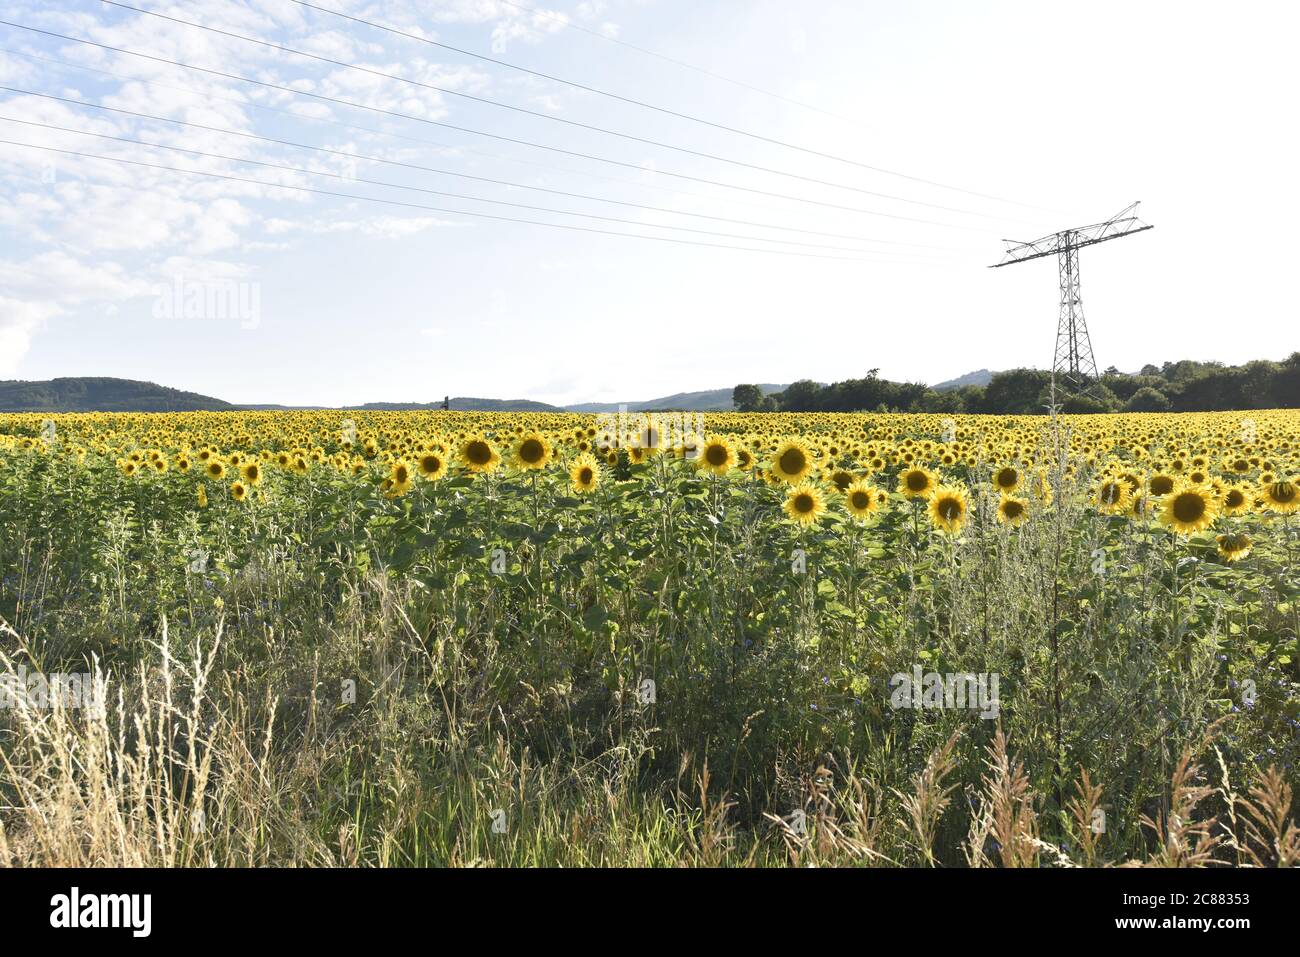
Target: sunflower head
[(584, 474), (862, 499), (1233, 548), (916, 483), (804, 503), (717, 456), (1236, 500), (239, 491), (1012, 511), (1188, 508), (431, 466), (1281, 496), (533, 452), (792, 461), (478, 455), (1114, 495), (1007, 479), (948, 509)]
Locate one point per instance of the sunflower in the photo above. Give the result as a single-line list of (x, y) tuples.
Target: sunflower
[(400, 476), (804, 503), (1188, 509), (203, 497), (533, 452), (1281, 496), (840, 479), (1007, 479), (1236, 499), (717, 456), (238, 491), (948, 508), (1235, 547), (917, 483), (1161, 483), (1012, 511), (792, 461), (1114, 496), (584, 474), (431, 465), (252, 473), (862, 499), (215, 470), (478, 455)]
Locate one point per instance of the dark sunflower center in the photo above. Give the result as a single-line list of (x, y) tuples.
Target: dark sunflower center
[(480, 453), (1234, 498), (1282, 492), (860, 499), (1007, 477), (792, 461), (917, 481), (803, 503), (950, 509), (585, 476), (1012, 509), (1188, 507), (1110, 493), (716, 455), (1162, 485), (532, 451)]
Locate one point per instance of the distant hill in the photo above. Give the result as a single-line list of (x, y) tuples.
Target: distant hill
[(100, 395), (710, 400), (982, 377), (461, 404)]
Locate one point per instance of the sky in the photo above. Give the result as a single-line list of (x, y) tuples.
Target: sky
[(877, 154)]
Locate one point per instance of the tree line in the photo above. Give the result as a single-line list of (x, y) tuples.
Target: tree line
[(1184, 386)]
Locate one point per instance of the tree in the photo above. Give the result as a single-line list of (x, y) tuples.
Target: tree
[(801, 396), (1083, 405), (747, 398), (1016, 392), (1147, 399)]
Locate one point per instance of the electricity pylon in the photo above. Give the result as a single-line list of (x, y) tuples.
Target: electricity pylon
[(1073, 364)]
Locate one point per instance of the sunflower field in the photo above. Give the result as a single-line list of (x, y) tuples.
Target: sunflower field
[(443, 638)]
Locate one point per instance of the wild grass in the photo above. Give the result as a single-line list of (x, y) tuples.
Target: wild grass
[(498, 720)]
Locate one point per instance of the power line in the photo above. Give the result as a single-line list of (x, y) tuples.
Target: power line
[(642, 103), (431, 169), (568, 122), (682, 63), (496, 136), (432, 192), (454, 212), (245, 103)]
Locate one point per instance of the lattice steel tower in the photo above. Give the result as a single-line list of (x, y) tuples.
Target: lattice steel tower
[(1073, 366)]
